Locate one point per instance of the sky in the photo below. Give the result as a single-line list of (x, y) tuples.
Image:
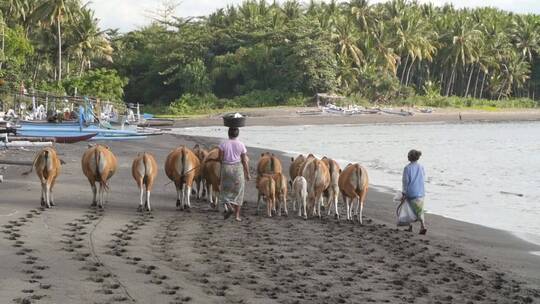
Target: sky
[(128, 15)]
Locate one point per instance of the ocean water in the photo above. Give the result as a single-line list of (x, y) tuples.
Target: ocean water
[(482, 173)]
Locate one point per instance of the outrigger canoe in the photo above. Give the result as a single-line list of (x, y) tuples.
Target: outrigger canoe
[(73, 139), (66, 133)]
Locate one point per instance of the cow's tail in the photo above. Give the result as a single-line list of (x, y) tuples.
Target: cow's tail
[(272, 189), (35, 161), (333, 189), (147, 167), (331, 167), (183, 156), (358, 186), (316, 176), (99, 175), (48, 161)]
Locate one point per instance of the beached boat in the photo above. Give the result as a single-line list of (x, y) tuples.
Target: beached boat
[(67, 133), (332, 109), (118, 137), (58, 138), (400, 112), (310, 112), (350, 110), (70, 139), (156, 122)]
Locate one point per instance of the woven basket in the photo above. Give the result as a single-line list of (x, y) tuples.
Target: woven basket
[(234, 122)]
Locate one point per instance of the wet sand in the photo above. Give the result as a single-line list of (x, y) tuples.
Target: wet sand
[(75, 254)]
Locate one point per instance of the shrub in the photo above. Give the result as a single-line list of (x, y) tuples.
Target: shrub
[(102, 83), (259, 98), (462, 102), (297, 101), (189, 103)]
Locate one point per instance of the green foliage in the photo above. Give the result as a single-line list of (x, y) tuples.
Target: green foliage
[(102, 83), (198, 104), (297, 101), (473, 103), (189, 104), (314, 66), (431, 90), (378, 86), (194, 78), (17, 47), (52, 87), (259, 98), (260, 53)]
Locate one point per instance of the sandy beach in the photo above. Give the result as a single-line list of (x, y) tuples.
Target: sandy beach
[(75, 254), (288, 116)]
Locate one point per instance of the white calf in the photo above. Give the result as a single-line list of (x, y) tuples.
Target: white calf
[(300, 195)]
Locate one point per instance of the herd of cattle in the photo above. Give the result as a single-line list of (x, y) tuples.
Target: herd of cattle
[(314, 182)]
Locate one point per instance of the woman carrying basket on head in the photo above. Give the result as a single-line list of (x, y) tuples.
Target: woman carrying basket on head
[(234, 170)]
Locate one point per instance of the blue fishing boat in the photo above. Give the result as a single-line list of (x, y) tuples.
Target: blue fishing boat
[(65, 131)]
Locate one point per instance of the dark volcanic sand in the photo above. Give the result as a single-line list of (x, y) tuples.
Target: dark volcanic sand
[(289, 116), (74, 254)]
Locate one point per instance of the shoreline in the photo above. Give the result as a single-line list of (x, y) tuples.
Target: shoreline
[(455, 262), (288, 116), (533, 240)]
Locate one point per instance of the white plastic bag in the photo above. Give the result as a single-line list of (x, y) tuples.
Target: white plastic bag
[(405, 214)]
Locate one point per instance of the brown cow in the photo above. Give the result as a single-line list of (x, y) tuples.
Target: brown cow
[(299, 189), (267, 189), (281, 193), (332, 193), (47, 166), (302, 165), (294, 169), (353, 184), (182, 167), (212, 174), (98, 164), (317, 176), (144, 170), (268, 164), (200, 182)]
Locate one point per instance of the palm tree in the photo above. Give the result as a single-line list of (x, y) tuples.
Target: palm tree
[(361, 10), (88, 41), (347, 75), (463, 49), (291, 9), (526, 36), (55, 12), (346, 38)]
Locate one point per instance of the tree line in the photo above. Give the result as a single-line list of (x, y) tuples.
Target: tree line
[(262, 53), (56, 46)]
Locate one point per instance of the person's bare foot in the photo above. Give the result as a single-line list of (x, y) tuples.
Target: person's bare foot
[(423, 231), (238, 219)]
